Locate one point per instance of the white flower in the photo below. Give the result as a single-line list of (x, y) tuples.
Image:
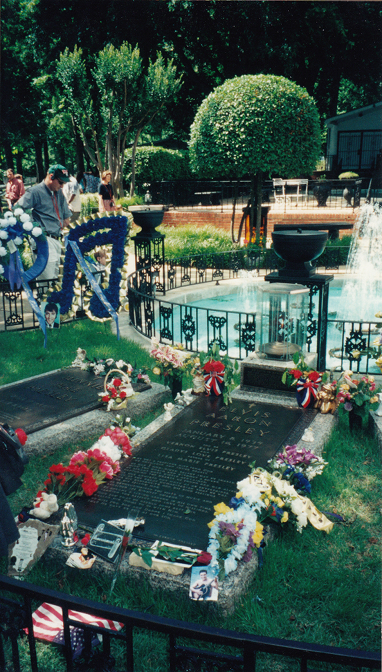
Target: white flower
[(129, 390), (27, 226), (3, 235), (24, 217), (99, 368), (1, 269), (18, 212), (230, 564), (120, 364), (12, 221), (106, 445), (109, 362), (8, 214), (36, 231), (3, 223), (3, 251), (18, 240)]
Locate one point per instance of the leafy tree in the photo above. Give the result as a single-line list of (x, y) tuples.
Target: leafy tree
[(255, 124), (114, 100)]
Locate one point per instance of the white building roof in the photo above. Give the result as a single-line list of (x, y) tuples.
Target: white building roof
[(360, 112)]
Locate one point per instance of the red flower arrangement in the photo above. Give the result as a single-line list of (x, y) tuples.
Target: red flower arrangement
[(213, 376), (87, 470)]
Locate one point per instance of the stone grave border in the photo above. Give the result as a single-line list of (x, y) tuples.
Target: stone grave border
[(236, 584)]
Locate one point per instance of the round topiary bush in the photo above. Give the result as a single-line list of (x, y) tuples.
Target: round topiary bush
[(253, 124)]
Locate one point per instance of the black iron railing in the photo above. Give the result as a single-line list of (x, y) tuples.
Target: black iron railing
[(189, 646), (219, 194)]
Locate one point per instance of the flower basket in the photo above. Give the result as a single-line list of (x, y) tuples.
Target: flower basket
[(118, 402)]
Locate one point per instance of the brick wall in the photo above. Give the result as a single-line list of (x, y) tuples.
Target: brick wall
[(223, 219)]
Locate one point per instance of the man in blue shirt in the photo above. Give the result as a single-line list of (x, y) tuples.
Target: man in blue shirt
[(50, 211)]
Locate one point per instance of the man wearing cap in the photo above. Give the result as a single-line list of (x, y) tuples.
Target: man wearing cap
[(50, 211)]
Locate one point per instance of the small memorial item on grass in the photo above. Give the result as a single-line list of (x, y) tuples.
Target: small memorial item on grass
[(51, 313), (126, 540), (35, 537), (82, 559), (106, 541), (204, 584), (44, 506), (68, 525), (169, 558)]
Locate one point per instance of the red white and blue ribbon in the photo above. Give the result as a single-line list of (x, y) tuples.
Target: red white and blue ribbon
[(213, 377), (307, 390)]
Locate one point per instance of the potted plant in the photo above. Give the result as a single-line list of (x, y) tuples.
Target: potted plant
[(322, 190), (356, 398), (348, 192)]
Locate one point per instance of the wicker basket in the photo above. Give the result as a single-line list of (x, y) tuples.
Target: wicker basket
[(114, 373)]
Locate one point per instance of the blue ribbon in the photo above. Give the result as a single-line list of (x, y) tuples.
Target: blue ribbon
[(32, 301), (94, 285)]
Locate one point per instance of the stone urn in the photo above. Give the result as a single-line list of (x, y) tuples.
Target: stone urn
[(148, 218), (321, 192), (298, 249)]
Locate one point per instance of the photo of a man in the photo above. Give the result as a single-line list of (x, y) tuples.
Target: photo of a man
[(51, 312), (204, 583)]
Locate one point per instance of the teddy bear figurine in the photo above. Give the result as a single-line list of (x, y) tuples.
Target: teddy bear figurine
[(326, 400), (44, 506)]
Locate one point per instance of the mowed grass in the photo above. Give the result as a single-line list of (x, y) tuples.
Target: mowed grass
[(313, 587)]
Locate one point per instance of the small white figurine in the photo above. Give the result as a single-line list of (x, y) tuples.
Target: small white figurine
[(308, 435), (168, 408), (187, 396), (44, 506)]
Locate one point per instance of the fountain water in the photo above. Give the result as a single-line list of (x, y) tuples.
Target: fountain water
[(361, 294)]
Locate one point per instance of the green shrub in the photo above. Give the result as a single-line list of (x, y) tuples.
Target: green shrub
[(156, 164), (182, 241)]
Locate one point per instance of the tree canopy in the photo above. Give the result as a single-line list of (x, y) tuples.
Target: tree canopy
[(256, 123)]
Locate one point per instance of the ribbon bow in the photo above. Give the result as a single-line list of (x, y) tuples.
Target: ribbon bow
[(213, 377), (307, 389)]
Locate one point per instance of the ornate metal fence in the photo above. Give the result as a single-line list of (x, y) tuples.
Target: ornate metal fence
[(190, 647)]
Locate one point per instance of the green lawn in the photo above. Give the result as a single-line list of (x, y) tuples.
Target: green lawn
[(313, 587)]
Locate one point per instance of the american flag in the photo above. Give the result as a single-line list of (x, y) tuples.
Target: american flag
[(48, 625)]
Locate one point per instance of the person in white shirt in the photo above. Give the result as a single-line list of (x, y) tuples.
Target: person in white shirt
[(71, 191)]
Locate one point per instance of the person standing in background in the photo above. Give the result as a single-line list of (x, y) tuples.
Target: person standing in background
[(106, 194), (71, 191), (14, 189)]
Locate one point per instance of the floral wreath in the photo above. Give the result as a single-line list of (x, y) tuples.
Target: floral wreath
[(98, 232), (15, 228)]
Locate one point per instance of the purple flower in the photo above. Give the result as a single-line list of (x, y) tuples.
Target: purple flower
[(348, 406)]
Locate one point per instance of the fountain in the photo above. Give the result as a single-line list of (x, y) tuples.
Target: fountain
[(361, 294)]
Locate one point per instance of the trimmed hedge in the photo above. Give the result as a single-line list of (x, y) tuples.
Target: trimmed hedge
[(156, 164)]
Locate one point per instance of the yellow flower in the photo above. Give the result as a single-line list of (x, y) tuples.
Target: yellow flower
[(285, 517), (344, 386), (379, 362), (239, 494), (374, 399), (211, 523), (266, 501), (156, 370), (221, 508), (258, 534), (279, 502), (356, 354)]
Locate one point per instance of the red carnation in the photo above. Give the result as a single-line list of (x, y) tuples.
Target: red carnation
[(89, 485), (105, 398), (214, 366), (117, 382), (204, 558), (296, 373), (122, 395), (314, 376), (21, 436)]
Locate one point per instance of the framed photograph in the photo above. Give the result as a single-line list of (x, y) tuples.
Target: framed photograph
[(204, 583), (51, 313)]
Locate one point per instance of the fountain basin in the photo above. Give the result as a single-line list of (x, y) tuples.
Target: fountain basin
[(298, 249)]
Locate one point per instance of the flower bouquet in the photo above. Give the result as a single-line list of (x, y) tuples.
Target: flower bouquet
[(116, 392), (357, 396), (306, 379), (101, 367), (171, 362), (299, 467), (87, 469), (219, 373)]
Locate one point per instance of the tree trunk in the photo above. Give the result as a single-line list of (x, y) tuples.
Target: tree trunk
[(252, 208), (38, 160), (79, 152), (46, 156), (19, 162), (133, 153), (8, 153), (258, 199)]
